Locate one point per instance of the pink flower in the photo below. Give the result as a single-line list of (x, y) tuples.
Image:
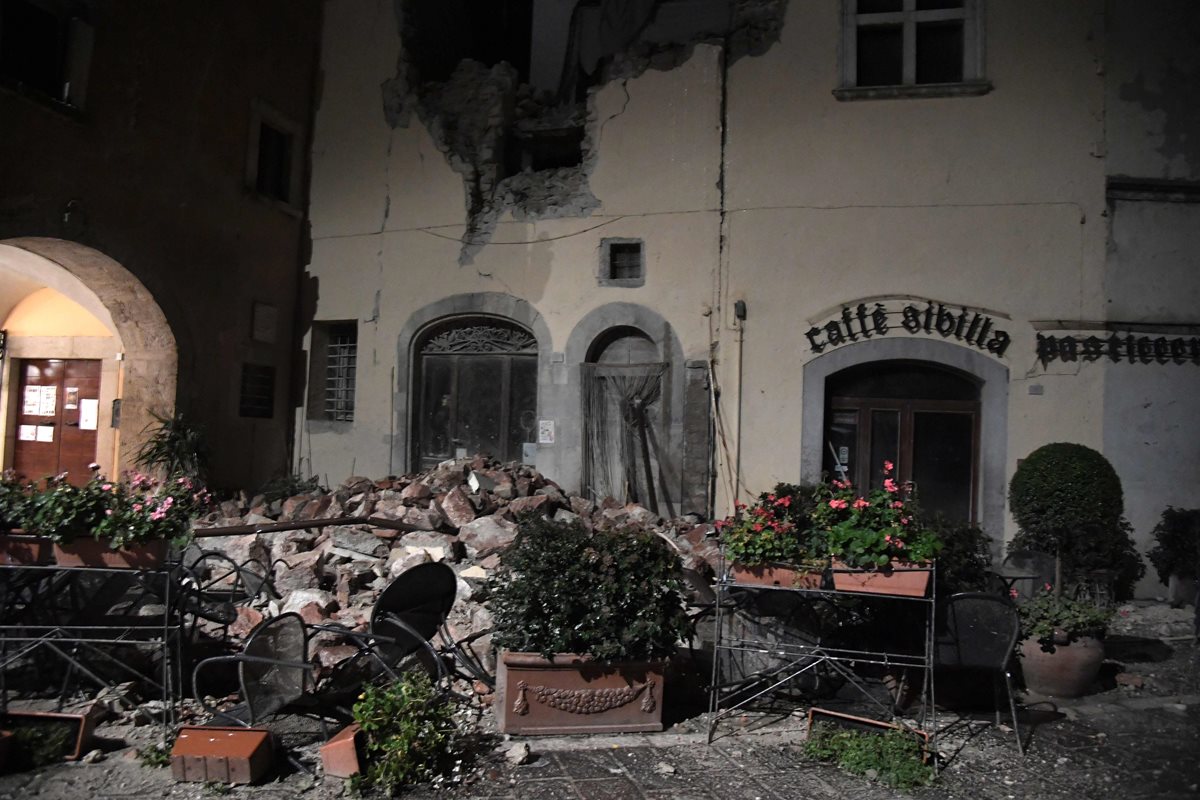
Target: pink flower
[(888, 538), (888, 466), (1013, 593), (904, 520), (1047, 587), (719, 524), (861, 503), (897, 504), (836, 503), (890, 485), (106, 487), (108, 512), (784, 501), (898, 543), (841, 484)]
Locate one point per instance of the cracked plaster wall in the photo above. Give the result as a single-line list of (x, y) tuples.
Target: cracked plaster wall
[(388, 220)]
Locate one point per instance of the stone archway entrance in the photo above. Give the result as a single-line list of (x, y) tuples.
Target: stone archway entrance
[(139, 357)]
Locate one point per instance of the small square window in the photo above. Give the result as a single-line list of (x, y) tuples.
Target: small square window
[(622, 262), (257, 396), (919, 48), (273, 158), (332, 371)]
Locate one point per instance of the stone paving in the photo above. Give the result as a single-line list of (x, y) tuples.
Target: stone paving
[(1125, 742)]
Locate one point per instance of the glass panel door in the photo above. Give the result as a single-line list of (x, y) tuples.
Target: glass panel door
[(943, 459)]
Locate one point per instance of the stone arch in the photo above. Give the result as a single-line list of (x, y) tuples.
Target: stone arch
[(478, 304), (991, 374), (597, 329), (149, 360)]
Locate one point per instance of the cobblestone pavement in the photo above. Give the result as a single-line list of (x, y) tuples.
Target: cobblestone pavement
[(1121, 743)]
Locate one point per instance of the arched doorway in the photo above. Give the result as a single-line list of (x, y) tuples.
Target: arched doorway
[(919, 416), (53, 287), (475, 383), (622, 389)]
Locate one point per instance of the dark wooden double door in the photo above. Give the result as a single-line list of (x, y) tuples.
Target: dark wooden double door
[(57, 407)]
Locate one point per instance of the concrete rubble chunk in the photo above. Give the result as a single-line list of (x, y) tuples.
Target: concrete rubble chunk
[(481, 481), (358, 541), (531, 504), (356, 484), (317, 508), (457, 508), (301, 577), (247, 620), (487, 535), (302, 597), (415, 493), (425, 519)]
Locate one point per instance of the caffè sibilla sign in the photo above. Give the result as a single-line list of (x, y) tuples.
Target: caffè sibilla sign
[(862, 322)]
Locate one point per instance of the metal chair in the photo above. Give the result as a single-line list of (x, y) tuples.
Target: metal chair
[(979, 632), (1026, 571)]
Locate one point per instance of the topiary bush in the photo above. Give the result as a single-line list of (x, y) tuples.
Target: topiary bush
[(1067, 500)]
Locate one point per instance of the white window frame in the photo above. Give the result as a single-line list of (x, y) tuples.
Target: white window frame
[(973, 81)]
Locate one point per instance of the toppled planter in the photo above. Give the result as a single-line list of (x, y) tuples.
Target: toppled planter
[(46, 737), (340, 755), (573, 694), (221, 755)]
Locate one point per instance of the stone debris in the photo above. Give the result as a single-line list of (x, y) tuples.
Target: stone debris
[(463, 513), (518, 754)]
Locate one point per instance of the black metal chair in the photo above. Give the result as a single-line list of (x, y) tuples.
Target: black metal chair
[(1026, 572), (979, 632)]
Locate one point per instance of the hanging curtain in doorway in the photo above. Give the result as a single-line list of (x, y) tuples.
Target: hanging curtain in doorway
[(620, 417)]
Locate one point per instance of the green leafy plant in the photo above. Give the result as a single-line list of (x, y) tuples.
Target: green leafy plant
[(143, 509), (1177, 544), (894, 757), (38, 744), (15, 496), (869, 531), (614, 594), (1067, 500), (174, 447), (409, 733), (156, 755), (63, 511), (1054, 618), (775, 529), (965, 560)]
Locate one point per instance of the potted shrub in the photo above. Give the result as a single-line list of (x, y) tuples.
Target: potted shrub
[(1176, 553), (586, 620), (17, 547), (769, 543), (1067, 501), (876, 542), (1062, 644), (117, 524)]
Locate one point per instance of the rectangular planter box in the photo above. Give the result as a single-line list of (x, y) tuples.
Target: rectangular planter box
[(91, 553), (782, 575), (22, 550), (572, 694), (901, 578), (221, 755), (81, 726)]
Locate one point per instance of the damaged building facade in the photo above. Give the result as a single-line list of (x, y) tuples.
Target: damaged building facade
[(678, 251)]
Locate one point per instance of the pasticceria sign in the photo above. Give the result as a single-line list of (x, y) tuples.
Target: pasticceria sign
[(863, 322)]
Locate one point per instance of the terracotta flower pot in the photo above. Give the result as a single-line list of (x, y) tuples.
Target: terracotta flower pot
[(782, 575), (87, 552), (1068, 671), (573, 694), (901, 578)]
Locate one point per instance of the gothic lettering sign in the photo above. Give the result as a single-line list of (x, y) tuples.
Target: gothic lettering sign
[(970, 327), (1118, 348)]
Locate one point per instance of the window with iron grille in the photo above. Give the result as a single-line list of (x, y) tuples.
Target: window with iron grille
[(332, 371), (622, 262), (257, 396)]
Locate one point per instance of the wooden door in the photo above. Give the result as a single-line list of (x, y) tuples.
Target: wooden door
[(57, 417)]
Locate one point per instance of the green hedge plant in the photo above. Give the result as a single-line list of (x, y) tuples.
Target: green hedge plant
[(614, 594), (1177, 544)]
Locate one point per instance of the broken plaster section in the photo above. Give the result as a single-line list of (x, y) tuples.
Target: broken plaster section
[(528, 149)]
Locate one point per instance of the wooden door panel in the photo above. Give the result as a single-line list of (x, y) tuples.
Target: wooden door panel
[(50, 400)]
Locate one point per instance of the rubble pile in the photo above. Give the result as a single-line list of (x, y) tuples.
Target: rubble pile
[(463, 513)]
